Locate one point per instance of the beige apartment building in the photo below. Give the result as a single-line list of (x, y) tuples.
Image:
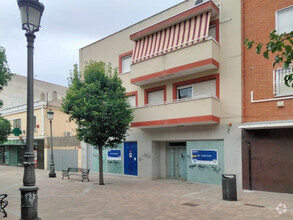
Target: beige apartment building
[(182, 72), (67, 151)]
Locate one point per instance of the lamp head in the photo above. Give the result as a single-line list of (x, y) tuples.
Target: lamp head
[(31, 12), (50, 115)]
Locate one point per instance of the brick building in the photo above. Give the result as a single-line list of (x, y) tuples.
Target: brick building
[(267, 104)]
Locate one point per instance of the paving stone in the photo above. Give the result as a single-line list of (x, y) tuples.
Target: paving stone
[(133, 198)]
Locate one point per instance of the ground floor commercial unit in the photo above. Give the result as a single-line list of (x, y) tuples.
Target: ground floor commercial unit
[(267, 152), (66, 151), (199, 153), (12, 153)]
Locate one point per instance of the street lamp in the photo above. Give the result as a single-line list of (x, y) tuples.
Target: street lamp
[(52, 173), (31, 12)]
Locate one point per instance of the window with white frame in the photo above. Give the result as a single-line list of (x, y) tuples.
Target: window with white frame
[(280, 88), (184, 92), (156, 97), (132, 100), (16, 123), (207, 87), (126, 62), (284, 20)]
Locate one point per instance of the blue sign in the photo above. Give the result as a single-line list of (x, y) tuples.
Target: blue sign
[(204, 157), (114, 155)]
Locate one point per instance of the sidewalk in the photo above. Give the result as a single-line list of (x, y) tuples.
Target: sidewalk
[(132, 198)]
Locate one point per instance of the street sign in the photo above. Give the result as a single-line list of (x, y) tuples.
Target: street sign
[(204, 157), (114, 155)]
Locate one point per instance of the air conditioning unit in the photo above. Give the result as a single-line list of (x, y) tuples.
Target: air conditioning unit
[(67, 134)]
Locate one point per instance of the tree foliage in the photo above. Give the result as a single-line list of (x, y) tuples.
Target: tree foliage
[(5, 129), (281, 46), (5, 74), (97, 102)]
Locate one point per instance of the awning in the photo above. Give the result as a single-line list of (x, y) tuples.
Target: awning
[(175, 37), (267, 125)]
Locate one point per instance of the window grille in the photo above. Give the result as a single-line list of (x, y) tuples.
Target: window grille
[(280, 88)]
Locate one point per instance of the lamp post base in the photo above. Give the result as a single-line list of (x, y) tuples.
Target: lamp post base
[(29, 202), (52, 175)]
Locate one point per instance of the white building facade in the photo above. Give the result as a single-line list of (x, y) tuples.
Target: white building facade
[(182, 72)]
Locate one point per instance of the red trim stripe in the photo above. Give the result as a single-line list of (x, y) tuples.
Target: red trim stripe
[(189, 120)]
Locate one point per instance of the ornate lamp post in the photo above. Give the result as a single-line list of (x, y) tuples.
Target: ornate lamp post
[(31, 12), (52, 173)]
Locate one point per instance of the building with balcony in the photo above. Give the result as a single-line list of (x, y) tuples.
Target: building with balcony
[(182, 72), (267, 102)]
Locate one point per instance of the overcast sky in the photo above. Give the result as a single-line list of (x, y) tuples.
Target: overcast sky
[(68, 25)]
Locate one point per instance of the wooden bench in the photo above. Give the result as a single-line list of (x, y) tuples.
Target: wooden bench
[(75, 171), (3, 204)]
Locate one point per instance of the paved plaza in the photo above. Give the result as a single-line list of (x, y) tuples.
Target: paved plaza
[(133, 198)]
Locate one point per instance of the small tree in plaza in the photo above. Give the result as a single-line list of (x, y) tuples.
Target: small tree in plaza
[(5, 76), (97, 101)]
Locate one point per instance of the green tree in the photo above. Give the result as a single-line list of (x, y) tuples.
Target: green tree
[(281, 46), (5, 76), (97, 102), (5, 129)]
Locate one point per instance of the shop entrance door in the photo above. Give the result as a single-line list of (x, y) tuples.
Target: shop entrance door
[(130, 158), (177, 162)]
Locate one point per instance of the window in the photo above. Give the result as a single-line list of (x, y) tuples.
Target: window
[(132, 100), (206, 85), (184, 92), (212, 32), (156, 97), (284, 21), (126, 61), (17, 123), (280, 88), (197, 2)]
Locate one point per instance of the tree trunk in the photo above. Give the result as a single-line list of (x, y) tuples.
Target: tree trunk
[(101, 176)]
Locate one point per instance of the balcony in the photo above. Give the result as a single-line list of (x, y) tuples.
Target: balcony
[(195, 111), (195, 58)]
